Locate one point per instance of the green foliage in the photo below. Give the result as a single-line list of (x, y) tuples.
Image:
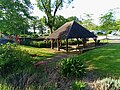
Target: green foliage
[(59, 21), (72, 42), (118, 24), (50, 8), (99, 33), (72, 67), (28, 80), (13, 59), (78, 85), (87, 22), (17, 8), (73, 18), (38, 24), (40, 44), (107, 84), (107, 21), (34, 36)]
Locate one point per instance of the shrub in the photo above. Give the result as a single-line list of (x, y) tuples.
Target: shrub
[(72, 67), (72, 42), (34, 36), (78, 85), (107, 84), (25, 41), (40, 44), (13, 59)]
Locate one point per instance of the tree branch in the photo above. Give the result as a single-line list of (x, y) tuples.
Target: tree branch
[(57, 6)]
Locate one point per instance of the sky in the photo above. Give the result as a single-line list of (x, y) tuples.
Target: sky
[(95, 7)]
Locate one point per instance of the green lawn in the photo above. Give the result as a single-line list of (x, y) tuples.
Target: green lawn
[(41, 53), (105, 60)]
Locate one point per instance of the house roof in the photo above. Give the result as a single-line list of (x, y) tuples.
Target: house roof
[(71, 30)]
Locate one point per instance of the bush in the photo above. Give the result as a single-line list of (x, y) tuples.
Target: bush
[(13, 59), (40, 44), (72, 42), (34, 36), (99, 33), (107, 84), (25, 41), (72, 67), (78, 85)]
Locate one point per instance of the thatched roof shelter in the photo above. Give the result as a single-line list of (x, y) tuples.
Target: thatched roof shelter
[(71, 30)]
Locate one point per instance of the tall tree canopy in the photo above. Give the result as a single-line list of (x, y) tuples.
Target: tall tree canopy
[(14, 15), (59, 21), (87, 22), (118, 24), (73, 18), (50, 8), (107, 21), (38, 24)]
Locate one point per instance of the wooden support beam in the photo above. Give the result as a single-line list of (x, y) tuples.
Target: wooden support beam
[(77, 42), (58, 45), (84, 42), (52, 44), (67, 45), (95, 39)]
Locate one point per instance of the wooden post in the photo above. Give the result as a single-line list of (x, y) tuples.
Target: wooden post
[(58, 48), (67, 44), (95, 39), (77, 42), (52, 46), (84, 42)]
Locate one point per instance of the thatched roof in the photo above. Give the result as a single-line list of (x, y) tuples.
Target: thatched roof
[(71, 30)]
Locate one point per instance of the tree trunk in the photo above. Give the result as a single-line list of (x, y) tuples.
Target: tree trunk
[(50, 29), (34, 29)]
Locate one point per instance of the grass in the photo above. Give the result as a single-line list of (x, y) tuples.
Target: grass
[(41, 53), (105, 61)]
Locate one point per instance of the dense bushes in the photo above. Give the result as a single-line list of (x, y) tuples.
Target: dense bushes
[(72, 42), (43, 44), (46, 44), (40, 44), (17, 71), (72, 67), (13, 60)]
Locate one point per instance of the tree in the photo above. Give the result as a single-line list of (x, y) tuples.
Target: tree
[(38, 24), (59, 21), (50, 8), (34, 24), (107, 21), (41, 26), (73, 18), (118, 24), (87, 22), (14, 16)]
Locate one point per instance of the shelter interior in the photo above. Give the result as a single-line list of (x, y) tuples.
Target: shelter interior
[(71, 31)]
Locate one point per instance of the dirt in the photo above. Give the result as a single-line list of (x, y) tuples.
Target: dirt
[(54, 75), (61, 82)]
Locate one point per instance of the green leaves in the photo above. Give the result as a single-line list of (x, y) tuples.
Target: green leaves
[(14, 16), (50, 8), (72, 67), (13, 59), (107, 21), (78, 85)]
